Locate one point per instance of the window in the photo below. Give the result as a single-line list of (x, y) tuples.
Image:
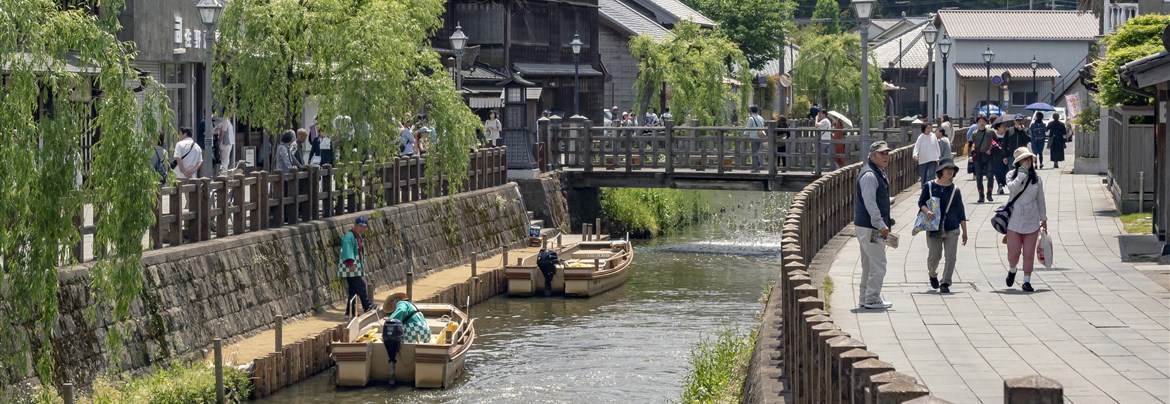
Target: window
[(1023, 97), (530, 26), (481, 22)]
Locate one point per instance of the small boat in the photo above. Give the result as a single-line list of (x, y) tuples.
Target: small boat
[(431, 365), (590, 268)]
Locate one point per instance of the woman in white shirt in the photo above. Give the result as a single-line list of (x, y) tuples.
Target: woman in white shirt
[(493, 127), (1029, 215), (926, 152)]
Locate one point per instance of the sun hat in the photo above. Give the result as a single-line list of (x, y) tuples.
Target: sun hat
[(946, 163), (878, 146), (362, 221), (1020, 154)]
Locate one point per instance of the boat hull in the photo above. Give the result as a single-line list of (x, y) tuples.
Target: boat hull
[(426, 365), (592, 267)]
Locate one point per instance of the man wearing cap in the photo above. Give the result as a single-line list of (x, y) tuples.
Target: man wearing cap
[(351, 266), (871, 217)]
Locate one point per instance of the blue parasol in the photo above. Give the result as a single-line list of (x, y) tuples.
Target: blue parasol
[(1039, 106)]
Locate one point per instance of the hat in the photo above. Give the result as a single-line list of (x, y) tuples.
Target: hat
[(946, 163), (1020, 154), (878, 146), (1002, 119), (362, 221), (1019, 117)]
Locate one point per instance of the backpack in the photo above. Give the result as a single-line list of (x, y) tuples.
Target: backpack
[(160, 167)]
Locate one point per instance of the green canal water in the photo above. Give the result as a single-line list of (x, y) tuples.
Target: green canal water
[(628, 345)]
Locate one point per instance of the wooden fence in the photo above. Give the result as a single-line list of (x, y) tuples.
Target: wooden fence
[(197, 210), (1131, 158)]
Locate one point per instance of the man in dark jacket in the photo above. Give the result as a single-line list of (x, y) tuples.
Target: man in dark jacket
[(871, 218), (981, 158)]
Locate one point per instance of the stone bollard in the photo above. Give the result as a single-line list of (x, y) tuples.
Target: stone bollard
[(928, 399), (840, 384), (900, 391), (883, 378), (831, 351), (859, 374), (805, 357), (1033, 389), (822, 352)]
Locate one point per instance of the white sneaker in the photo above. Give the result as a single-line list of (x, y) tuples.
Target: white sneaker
[(878, 305)]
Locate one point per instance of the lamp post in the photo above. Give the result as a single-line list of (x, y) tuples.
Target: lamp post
[(931, 35), (988, 56), (944, 46), (209, 11), (1034, 64), (864, 9), (458, 39), (576, 45)]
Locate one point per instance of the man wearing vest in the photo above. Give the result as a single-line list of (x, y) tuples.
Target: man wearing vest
[(871, 218)]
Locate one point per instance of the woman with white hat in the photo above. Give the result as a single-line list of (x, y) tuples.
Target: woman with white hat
[(1029, 215)]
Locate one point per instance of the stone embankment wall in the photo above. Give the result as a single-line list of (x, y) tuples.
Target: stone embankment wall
[(228, 288), (547, 198)]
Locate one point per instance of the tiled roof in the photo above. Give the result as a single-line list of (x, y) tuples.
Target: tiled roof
[(550, 70), (632, 22), (1137, 70), (1018, 71), (912, 50), (1018, 25), (677, 11)]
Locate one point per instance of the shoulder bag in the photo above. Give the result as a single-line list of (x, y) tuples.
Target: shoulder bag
[(921, 223), (175, 163), (1003, 214)]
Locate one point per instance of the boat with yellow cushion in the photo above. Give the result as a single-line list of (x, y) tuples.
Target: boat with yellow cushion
[(434, 364), (590, 268)]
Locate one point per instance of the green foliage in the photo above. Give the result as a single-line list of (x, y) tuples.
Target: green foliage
[(177, 384), (1138, 38), (43, 112), (760, 27), (1138, 223), (828, 293), (369, 60), (650, 212), (1089, 117), (694, 63), (827, 14), (718, 368), (828, 71)]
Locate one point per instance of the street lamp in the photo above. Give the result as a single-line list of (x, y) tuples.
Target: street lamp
[(864, 9), (457, 42), (944, 46), (1034, 64), (988, 56), (209, 11), (576, 45), (931, 35)]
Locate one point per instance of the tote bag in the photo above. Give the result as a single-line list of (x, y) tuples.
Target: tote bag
[(1044, 249), (921, 223)]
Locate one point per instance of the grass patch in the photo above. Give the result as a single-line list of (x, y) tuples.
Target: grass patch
[(180, 383), (1138, 223), (718, 368), (828, 292), (650, 212)]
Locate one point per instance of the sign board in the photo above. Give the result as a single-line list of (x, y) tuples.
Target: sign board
[(996, 80), (597, 255), (1074, 106)]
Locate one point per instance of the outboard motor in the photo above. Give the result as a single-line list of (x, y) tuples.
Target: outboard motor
[(547, 261), (392, 333)]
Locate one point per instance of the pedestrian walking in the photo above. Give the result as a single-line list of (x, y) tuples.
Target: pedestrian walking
[(302, 150), (824, 125), (755, 131), (947, 130), (839, 147), (322, 152), (980, 160), (953, 219), (871, 217), (1057, 139), (158, 159), (1029, 215), (351, 267), (227, 144), (927, 154), (998, 153), (944, 145), (971, 138), (493, 126), (1038, 130), (188, 156)]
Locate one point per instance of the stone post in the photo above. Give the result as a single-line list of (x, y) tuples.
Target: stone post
[(859, 374), (1034, 389), (832, 349), (840, 384), (821, 365), (900, 391), (928, 399), (883, 378)]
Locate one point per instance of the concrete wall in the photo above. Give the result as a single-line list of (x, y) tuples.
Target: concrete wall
[(231, 287), (546, 198), (615, 52)]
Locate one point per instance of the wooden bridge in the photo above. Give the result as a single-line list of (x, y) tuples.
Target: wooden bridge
[(699, 157)]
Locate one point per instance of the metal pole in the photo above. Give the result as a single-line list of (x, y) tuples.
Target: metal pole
[(945, 109), (864, 88), (576, 84), (930, 83), (1035, 93), (1141, 190), (279, 332), (208, 139), (67, 392), (987, 99), (459, 70), (219, 398)]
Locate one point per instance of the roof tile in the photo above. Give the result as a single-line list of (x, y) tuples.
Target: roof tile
[(1025, 25), (632, 21)]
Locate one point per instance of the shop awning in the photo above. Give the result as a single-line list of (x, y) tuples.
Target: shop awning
[(1017, 70), (554, 70)]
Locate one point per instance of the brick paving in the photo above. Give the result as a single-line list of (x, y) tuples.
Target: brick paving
[(1095, 324)]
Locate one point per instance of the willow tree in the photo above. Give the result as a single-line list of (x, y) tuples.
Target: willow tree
[(828, 71), (695, 65), (368, 60), (46, 108)]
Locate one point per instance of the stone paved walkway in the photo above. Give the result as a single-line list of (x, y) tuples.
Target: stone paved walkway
[(1095, 324)]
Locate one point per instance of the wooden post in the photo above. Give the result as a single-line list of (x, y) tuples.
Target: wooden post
[(237, 193), (504, 259), (587, 148), (410, 285), (67, 392), (204, 213), (669, 130), (597, 227), (221, 205), (314, 193), (559, 243), (629, 146), (279, 332), (474, 257), (719, 149), (219, 398), (596, 264), (175, 229), (773, 148)]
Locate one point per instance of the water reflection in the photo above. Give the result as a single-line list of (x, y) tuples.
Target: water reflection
[(627, 345)]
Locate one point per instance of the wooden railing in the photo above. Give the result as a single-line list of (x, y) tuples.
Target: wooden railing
[(197, 210), (580, 145)]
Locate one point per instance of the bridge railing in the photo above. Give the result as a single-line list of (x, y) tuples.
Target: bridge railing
[(195, 210), (578, 144)]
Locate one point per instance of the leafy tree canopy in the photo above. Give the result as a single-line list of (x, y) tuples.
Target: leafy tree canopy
[(828, 71), (369, 60), (1138, 38), (760, 27), (828, 14), (45, 109), (694, 63)]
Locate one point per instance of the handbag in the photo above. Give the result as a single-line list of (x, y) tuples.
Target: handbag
[(1044, 249), (941, 232), (1003, 214), (921, 223)]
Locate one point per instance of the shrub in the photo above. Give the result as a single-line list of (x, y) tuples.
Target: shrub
[(718, 368), (180, 383), (650, 212)]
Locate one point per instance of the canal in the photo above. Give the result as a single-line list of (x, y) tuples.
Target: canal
[(630, 344)]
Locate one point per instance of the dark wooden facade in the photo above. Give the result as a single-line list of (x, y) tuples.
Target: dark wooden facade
[(510, 32)]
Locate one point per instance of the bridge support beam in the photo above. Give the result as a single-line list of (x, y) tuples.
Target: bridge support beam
[(584, 206)]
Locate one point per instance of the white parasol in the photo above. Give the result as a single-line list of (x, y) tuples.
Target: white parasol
[(842, 118)]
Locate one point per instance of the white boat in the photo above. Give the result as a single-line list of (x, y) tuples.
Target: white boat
[(590, 268), (435, 364)]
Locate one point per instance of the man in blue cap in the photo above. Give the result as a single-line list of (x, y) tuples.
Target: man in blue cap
[(351, 267)]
